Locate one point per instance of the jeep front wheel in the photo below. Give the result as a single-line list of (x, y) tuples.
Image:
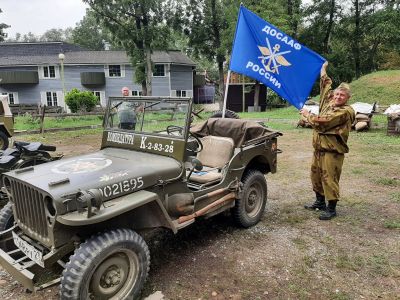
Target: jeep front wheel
[(113, 264), (6, 222), (250, 207)]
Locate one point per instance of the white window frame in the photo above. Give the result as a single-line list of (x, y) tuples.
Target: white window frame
[(179, 93), (165, 70), (101, 95), (42, 72), (53, 98), (107, 70), (14, 96), (59, 95), (136, 93)]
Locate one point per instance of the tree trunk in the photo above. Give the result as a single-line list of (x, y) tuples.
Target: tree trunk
[(221, 88), (329, 28), (371, 56), (144, 88), (256, 95), (149, 72), (293, 10), (357, 39)]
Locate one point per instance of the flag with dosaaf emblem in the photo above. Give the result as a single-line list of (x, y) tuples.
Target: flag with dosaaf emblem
[(263, 52)]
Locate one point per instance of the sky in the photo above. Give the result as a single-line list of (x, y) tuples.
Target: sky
[(38, 16)]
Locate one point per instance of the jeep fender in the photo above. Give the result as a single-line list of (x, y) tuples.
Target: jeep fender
[(145, 209)]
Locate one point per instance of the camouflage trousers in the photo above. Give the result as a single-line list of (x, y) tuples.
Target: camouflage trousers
[(326, 168)]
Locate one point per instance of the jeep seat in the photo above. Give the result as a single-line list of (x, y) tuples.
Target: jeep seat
[(217, 152)]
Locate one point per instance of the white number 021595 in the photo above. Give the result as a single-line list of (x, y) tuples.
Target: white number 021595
[(122, 187)]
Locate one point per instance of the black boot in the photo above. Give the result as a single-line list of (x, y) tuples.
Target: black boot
[(318, 204), (330, 211)]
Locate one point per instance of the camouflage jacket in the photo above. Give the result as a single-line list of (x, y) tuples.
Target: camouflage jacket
[(333, 124)]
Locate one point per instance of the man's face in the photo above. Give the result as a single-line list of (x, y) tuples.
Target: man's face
[(340, 97)]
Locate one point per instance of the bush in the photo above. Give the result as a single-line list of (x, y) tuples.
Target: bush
[(80, 100)]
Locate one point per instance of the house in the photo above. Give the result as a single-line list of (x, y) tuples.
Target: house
[(33, 73)]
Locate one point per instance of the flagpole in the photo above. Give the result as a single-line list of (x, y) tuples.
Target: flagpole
[(226, 93)]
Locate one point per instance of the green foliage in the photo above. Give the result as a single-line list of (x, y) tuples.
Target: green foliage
[(57, 34), (2, 27), (354, 44), (89, 33), (80, 100), (139, 27)]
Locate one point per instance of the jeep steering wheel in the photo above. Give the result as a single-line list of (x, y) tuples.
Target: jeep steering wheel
[(174, 128), (198, 141)]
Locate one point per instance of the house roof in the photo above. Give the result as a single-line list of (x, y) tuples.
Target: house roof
[(33, 49), (19, 54)]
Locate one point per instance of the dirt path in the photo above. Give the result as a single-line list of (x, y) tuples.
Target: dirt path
[(290, 254)]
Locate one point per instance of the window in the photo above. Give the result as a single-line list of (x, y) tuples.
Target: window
[(12, 97), (51, 98), (159, 71), (180, 93), (136, 93), (97, 94), (49, 72), (114, 70)]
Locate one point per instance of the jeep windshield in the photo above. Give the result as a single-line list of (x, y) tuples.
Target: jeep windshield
[(150, 115)]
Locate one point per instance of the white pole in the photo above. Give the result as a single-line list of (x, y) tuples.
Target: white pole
[(226, 93)]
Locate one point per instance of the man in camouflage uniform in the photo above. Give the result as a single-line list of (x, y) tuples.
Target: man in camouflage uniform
[(331, 131)]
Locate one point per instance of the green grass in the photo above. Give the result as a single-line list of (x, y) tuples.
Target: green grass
[(379, 265), (395, 196), (387, 181), (393, 224), (345, 261), (27, 122), (49, 137), (376, 137), (288, 113), (382, 87)]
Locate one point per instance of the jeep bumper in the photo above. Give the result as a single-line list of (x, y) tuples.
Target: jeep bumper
[(16, 269)]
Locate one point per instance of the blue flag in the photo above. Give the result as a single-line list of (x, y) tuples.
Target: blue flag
[(266, 54)]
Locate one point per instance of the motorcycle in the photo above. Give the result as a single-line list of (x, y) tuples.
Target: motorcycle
[(22, 155)]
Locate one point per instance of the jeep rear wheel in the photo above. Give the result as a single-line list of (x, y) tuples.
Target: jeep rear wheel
[(250, 207), (6, 222), (114, 264)]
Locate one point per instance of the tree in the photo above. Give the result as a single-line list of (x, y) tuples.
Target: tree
[(294, 16), (139, 27), (80, 100), (3, 26), (204, 25), (89, 33), (56, 34)]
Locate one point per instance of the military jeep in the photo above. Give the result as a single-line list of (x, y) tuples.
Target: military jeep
[(87, 213)]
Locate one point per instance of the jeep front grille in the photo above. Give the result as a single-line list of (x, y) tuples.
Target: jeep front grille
[(30, 212)]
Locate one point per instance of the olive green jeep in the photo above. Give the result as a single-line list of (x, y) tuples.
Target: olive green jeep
[(154, 169)]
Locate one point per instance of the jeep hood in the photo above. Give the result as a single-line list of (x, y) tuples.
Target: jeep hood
[(113, 171)]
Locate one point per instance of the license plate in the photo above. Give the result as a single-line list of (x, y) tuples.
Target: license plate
[(28, 250)]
